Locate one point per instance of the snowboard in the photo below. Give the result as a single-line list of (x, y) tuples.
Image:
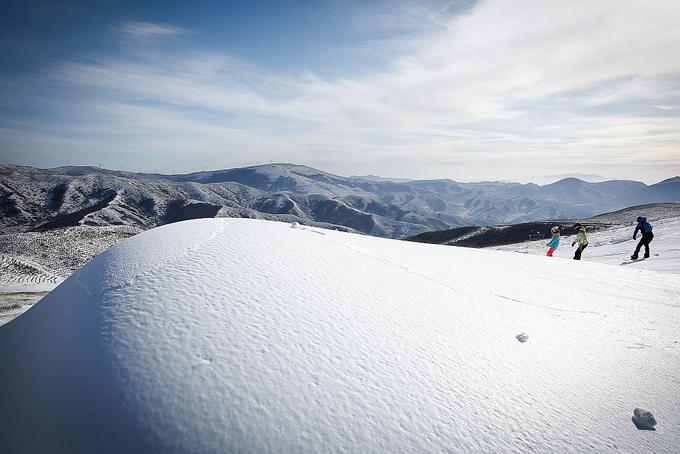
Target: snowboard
[(629, 261), (639, 259)]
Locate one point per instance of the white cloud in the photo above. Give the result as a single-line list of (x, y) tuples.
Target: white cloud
[(146, 30), (525, 87)]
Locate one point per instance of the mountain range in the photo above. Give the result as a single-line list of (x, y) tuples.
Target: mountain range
[(41, 199)]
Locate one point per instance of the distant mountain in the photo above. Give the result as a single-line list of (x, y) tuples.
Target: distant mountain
[(627, 216), (39, 199), (547, 179), (376, 178), (665, 190)]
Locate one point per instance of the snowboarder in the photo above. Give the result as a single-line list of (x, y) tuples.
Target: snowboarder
[(647, 236), (554, 241), (581, 239)]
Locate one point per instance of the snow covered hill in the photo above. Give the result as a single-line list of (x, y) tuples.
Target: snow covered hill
[(235, 335), (33, 263), (615, 245)]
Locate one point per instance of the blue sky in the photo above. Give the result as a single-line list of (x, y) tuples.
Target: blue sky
[(466, 90)]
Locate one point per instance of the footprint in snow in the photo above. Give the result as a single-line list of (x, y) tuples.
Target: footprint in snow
[(643, 419), (522, 337)]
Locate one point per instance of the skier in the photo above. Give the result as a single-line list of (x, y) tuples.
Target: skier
[(554, 241), (581, 239), (647, 236)]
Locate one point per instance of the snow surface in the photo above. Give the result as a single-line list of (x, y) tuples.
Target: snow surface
[(237, 335), (614, 246)]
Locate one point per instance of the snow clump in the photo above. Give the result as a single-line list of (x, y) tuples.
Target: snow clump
[(643, 419), (522, 337)]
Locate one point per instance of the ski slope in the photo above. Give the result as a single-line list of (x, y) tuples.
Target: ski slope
[(614, 246), (238, 335)]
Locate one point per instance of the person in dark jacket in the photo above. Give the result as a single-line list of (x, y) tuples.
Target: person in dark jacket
[(647, 236)]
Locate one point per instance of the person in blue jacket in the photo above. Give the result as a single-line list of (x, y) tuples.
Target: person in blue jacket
[(554, 241), (647, 236)]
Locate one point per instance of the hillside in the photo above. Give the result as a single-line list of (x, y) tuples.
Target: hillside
[(615, 244), (33, 263), (45, 199), (236, 335), (512, 235), (479, 237)]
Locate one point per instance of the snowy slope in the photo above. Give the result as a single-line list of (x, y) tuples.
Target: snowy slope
[(34, 263), (234, 335), (614, 246)]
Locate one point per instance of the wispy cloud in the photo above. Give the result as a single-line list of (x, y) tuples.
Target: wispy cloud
[(503, 89), (147, 30)]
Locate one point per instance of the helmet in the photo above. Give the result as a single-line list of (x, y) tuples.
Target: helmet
[(639, 218), (554, 229)]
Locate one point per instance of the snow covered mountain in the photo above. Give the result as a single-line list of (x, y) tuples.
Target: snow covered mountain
[(237, 335), (42, 199), (547, 179)]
